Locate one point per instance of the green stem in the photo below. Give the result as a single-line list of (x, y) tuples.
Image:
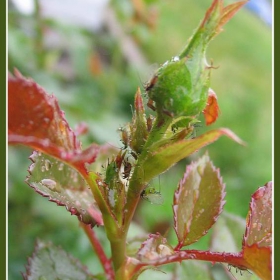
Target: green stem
[(138, 182), (118, 249), (191, 45), (116, 233), (39, 29)]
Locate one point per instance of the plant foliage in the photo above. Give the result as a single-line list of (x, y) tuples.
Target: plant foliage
[(61, 170)]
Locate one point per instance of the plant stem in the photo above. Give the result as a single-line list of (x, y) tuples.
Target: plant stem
[(138, 181), (39, 29), (234, 259), (105, 262), (118, 249)]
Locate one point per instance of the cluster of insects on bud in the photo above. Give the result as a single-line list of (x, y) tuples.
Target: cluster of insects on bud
[(119, 169)]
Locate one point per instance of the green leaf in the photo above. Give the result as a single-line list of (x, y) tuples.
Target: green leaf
[(138, 126), (64, 185), (226, 236), (198, 201), (165, 157), (50, 262), (227, 233), (193, 270)]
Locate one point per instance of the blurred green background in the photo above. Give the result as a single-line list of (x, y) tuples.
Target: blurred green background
[(94, 72)]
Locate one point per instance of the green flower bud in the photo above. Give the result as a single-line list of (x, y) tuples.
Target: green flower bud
[(173, 91), (179, 88)]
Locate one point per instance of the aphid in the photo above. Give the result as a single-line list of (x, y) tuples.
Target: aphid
[(126, 169), (154, 197), (151, 83), (111, 171), (240, 268), (150, 104), (211, 66), (149, 123), (166, 112), (124, 137), (195, 126), (134, 155)]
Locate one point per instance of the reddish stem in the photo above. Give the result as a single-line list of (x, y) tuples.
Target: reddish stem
[(235, 259), (178, 247), (105, 262)]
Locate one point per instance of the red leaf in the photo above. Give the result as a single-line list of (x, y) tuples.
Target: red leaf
[(258, 259), (259, 218), (35, 120), (229, 11), (257, 239), (211, 111), (217, 16)]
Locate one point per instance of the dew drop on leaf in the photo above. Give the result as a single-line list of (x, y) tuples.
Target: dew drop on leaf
[(74, 177), (49, 183), (48, 165), (61, 166)]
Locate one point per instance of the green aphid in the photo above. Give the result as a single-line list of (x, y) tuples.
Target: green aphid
[(111, 172), (153, 196)]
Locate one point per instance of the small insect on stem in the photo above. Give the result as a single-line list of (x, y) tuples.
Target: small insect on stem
[(193, 134), (240, 268), (135, 156), (149, 123), (154, 197), (150, 104), (126, 169), (212, 65), (111, 171), (151, 83), (124, 137), (166, 112)]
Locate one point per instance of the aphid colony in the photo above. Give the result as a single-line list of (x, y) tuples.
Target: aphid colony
[(135, 136), (118, 171)]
